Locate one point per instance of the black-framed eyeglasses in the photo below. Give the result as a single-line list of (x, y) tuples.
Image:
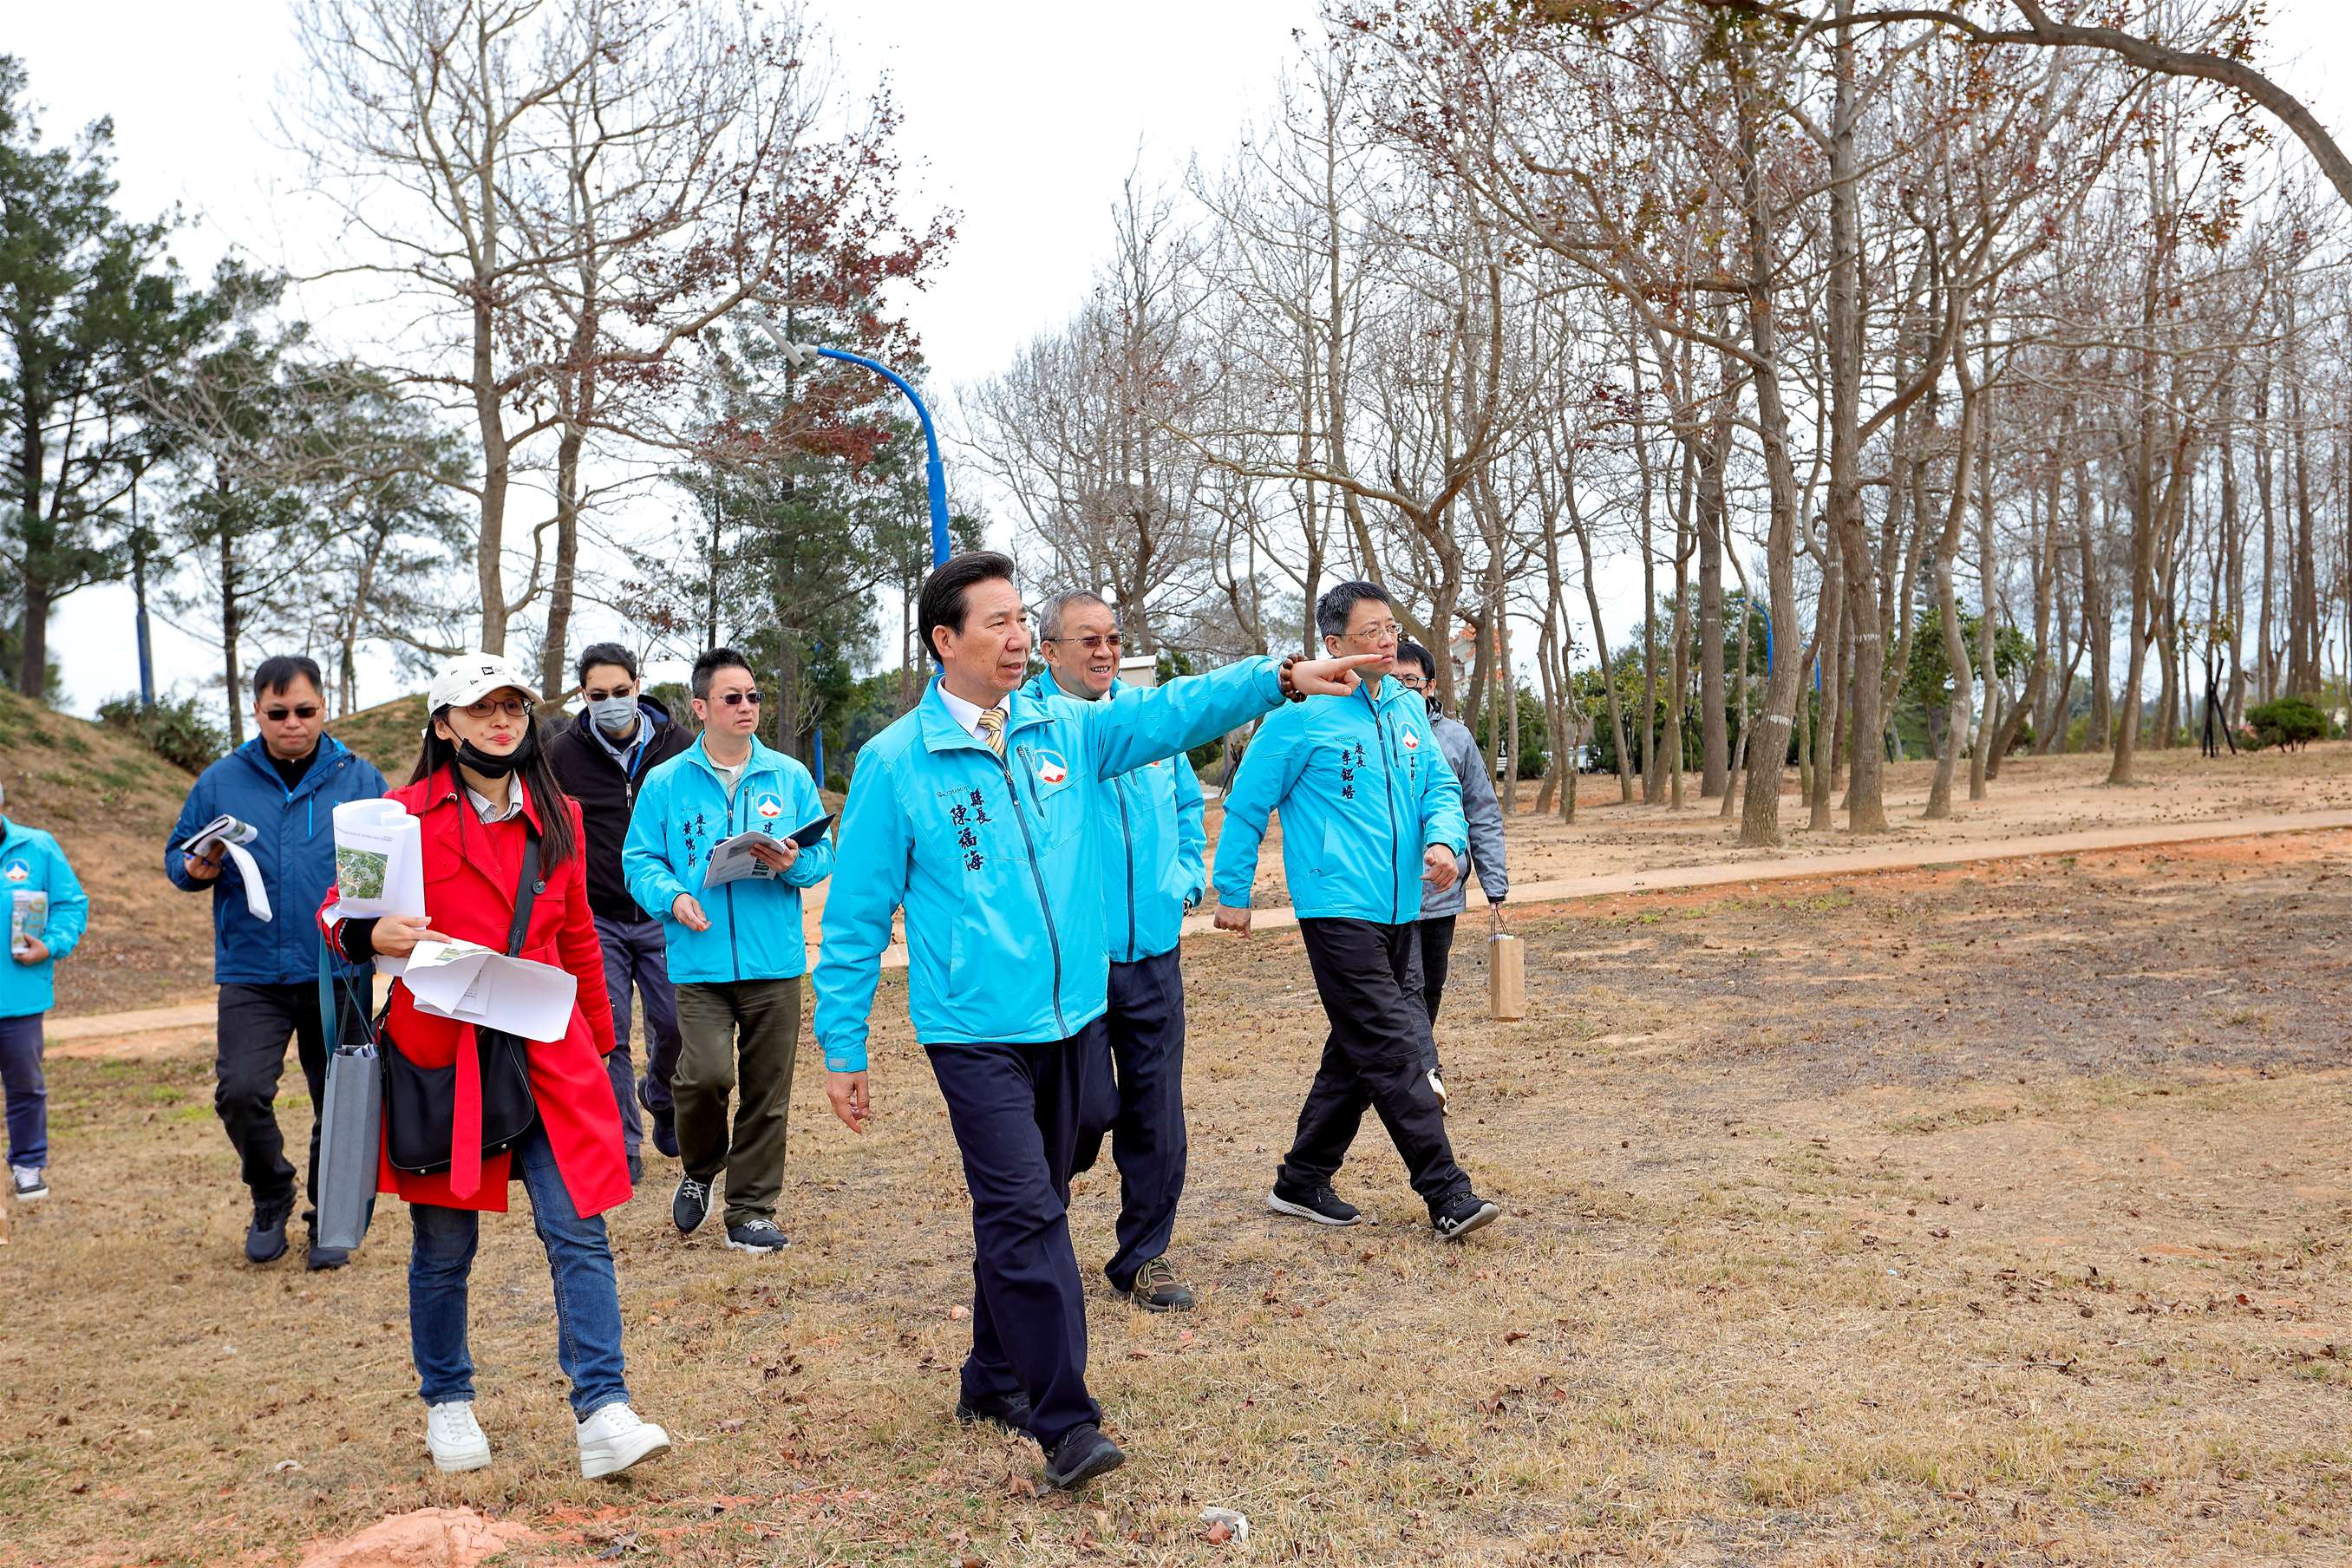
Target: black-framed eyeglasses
[(306, 712), (512, 707), (1093, 644), (737, 699)]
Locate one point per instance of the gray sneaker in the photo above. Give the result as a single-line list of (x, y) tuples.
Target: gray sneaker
[(757, 1236)]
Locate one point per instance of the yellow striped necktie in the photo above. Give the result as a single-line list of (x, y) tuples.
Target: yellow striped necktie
[(991, 730)]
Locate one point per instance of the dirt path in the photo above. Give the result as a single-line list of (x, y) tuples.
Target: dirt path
[(169, 1031)]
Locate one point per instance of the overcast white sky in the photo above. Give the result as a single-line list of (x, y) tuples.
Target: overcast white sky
[(1024, 116)]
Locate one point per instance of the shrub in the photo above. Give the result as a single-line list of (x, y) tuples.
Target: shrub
[(176, 732), (2292, 722)]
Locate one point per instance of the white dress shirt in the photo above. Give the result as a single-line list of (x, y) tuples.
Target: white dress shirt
[(966, 713)]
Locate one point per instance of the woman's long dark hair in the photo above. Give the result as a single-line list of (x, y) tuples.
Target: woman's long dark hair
[(555, 843)]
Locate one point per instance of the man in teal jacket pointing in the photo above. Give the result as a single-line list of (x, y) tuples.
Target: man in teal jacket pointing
[(972, 813), (1370, 810)]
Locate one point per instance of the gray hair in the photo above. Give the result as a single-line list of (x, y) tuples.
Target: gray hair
[(1049, 619)]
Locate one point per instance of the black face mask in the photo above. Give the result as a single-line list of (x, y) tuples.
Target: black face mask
[(491, 766)]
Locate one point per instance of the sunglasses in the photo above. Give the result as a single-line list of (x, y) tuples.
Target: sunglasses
[(512, 707), (737, 699), (1093, 644), (306, 712)]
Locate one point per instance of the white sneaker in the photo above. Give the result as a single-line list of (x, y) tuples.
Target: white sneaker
[(617, 1438), (26, 1181), (455, 1438)]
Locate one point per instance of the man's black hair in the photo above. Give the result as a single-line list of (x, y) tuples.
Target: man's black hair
[(1408, 649), (1339, 601), (712, 663), (275, 674), (941, 603), (597, 653)]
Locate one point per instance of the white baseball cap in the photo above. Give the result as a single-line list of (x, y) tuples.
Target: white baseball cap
[(468, 677)]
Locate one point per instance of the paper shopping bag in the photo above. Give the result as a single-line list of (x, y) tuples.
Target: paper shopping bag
[(1507, 976)]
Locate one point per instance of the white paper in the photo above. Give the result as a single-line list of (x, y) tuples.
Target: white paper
[(28, 919), (379, 866), (731, 860), (472, 984), (233, 836)]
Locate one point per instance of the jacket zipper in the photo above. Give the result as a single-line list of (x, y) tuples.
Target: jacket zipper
[(1388, 789), (734, 956), (1119, 793), (1037, 876)]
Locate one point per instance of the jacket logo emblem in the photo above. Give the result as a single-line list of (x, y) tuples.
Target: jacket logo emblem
[(18, 871), (770, 807), (1412, 741), (1050, 769)]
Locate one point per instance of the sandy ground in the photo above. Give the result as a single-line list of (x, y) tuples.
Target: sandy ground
[(1971, 1214)]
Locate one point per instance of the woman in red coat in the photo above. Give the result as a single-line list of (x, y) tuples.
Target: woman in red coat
[(481, 786)]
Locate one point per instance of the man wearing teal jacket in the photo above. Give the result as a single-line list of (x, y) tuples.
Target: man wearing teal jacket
[(35, 878), (1152, 876), (973, 813), (735, 952), (1370, 810)]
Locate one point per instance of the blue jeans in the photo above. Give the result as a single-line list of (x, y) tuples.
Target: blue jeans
[(587, 1298), (27, 1091), (635, 955)]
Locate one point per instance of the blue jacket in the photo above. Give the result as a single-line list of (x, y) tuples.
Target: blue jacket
[(295, 850), (31, 862), (755, 923), (1363, 790), (992, 859), (1152, 872)]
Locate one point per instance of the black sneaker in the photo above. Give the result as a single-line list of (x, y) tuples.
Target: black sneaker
[(1460, 1215), (756, 1236), (665, 1130), (1009, 1411), (1155, 1288), (266, 1241), (325, 1257), (691, 1207), (637, 1172), (1320, 1204), (1083, 1454)]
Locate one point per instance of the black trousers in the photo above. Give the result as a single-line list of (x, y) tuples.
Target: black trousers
[(1016, 1110), (256, 1022), (1437, 958), (1135, 1091), (1370, 979)]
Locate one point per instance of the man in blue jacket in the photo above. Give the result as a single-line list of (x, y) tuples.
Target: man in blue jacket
[(285, 783), (31, 863), (1370, 812), (975, 813), (1153, 877), (735, 952)]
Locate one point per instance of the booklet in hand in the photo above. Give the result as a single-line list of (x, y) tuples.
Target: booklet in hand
[(28, 919), (233, 836), (731, 859)]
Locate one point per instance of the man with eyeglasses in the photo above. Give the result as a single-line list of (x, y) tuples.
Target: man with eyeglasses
[(1416, 671), (735, 952), (1153, 877), (274, 975), (600, 758), (1371, 813)]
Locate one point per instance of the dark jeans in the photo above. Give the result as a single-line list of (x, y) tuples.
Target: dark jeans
[(579, 1261), (1436, 957), (636, 955), (27, 1091), (1135, 1091), (1014, 1110), (739, 1038), (256, 1021), (1369, 977)]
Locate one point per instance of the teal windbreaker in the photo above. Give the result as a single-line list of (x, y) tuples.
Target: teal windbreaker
[(682, 811), (30, 862), (993, 860), (1363, 790), (1152, 871)]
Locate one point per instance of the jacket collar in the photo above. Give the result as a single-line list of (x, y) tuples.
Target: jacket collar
[(764, 759), (448, 785), (331, 752), (1022, 708)]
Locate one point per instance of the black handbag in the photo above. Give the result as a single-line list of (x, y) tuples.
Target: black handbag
[(420, 1103)]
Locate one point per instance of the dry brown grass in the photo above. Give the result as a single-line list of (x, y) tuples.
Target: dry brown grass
[(1947, 1218)]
